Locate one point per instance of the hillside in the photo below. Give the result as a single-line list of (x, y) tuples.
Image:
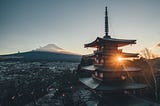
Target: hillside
[(41, 55), (50, 52)]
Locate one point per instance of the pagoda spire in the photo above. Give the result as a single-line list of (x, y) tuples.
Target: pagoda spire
[(106, 23)]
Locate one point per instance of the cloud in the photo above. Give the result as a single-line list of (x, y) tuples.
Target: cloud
[(158, 45)]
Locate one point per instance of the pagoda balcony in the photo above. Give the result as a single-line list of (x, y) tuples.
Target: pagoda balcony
[(105, 53), (109, 74), (109, 77)]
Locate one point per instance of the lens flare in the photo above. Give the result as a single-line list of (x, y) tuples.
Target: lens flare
[(119, 59)]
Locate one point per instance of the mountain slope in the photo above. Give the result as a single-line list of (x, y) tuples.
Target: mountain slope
[(51, 52), (41, 55)]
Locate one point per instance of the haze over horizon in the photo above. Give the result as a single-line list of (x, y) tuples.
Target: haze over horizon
[(29, 24)]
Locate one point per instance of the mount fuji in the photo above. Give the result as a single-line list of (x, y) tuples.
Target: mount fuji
[(50, 52), (53, 48)]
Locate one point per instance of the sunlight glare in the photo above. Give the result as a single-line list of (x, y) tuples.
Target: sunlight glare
[(119, 59)]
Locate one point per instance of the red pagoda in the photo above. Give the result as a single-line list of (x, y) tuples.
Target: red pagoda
[(109, 75)]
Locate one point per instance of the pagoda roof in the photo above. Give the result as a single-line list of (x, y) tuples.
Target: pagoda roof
[(101, 68), (123, 54), (101, 41), (129, 54), (99, 85), (90, 68)]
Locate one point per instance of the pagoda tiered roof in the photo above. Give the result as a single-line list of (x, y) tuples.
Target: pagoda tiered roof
[(119, 42), (123, 54), (99, 85), (104, 69), (108, 72)]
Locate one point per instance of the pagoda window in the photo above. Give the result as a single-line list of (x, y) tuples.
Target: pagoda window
[(102, 47), (102, 61), (120, 51), (97, 61), (96, 73), (101, 75)]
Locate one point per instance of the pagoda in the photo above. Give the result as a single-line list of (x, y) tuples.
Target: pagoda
[(109, 75)]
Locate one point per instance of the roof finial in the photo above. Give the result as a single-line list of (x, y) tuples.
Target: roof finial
[(106, 24)]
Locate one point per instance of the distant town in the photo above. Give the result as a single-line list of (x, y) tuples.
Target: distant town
[(22, 83)]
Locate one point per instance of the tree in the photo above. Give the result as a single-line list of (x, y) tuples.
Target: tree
[(148, 55)]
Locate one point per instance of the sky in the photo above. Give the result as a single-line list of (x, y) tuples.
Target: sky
[(29, 24)]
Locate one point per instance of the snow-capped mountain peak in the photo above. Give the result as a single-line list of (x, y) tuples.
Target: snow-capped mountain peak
[(53, 48)]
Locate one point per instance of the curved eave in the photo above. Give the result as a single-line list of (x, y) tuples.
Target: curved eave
[(98, 85), (130, 54), (127, 69), (90, 82), (132, 69), (103, 69), (124, 55), (119, 42), (126, 86), (89, 68), (92, 44)]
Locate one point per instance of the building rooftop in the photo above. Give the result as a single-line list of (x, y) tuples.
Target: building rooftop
[(101, 41)]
